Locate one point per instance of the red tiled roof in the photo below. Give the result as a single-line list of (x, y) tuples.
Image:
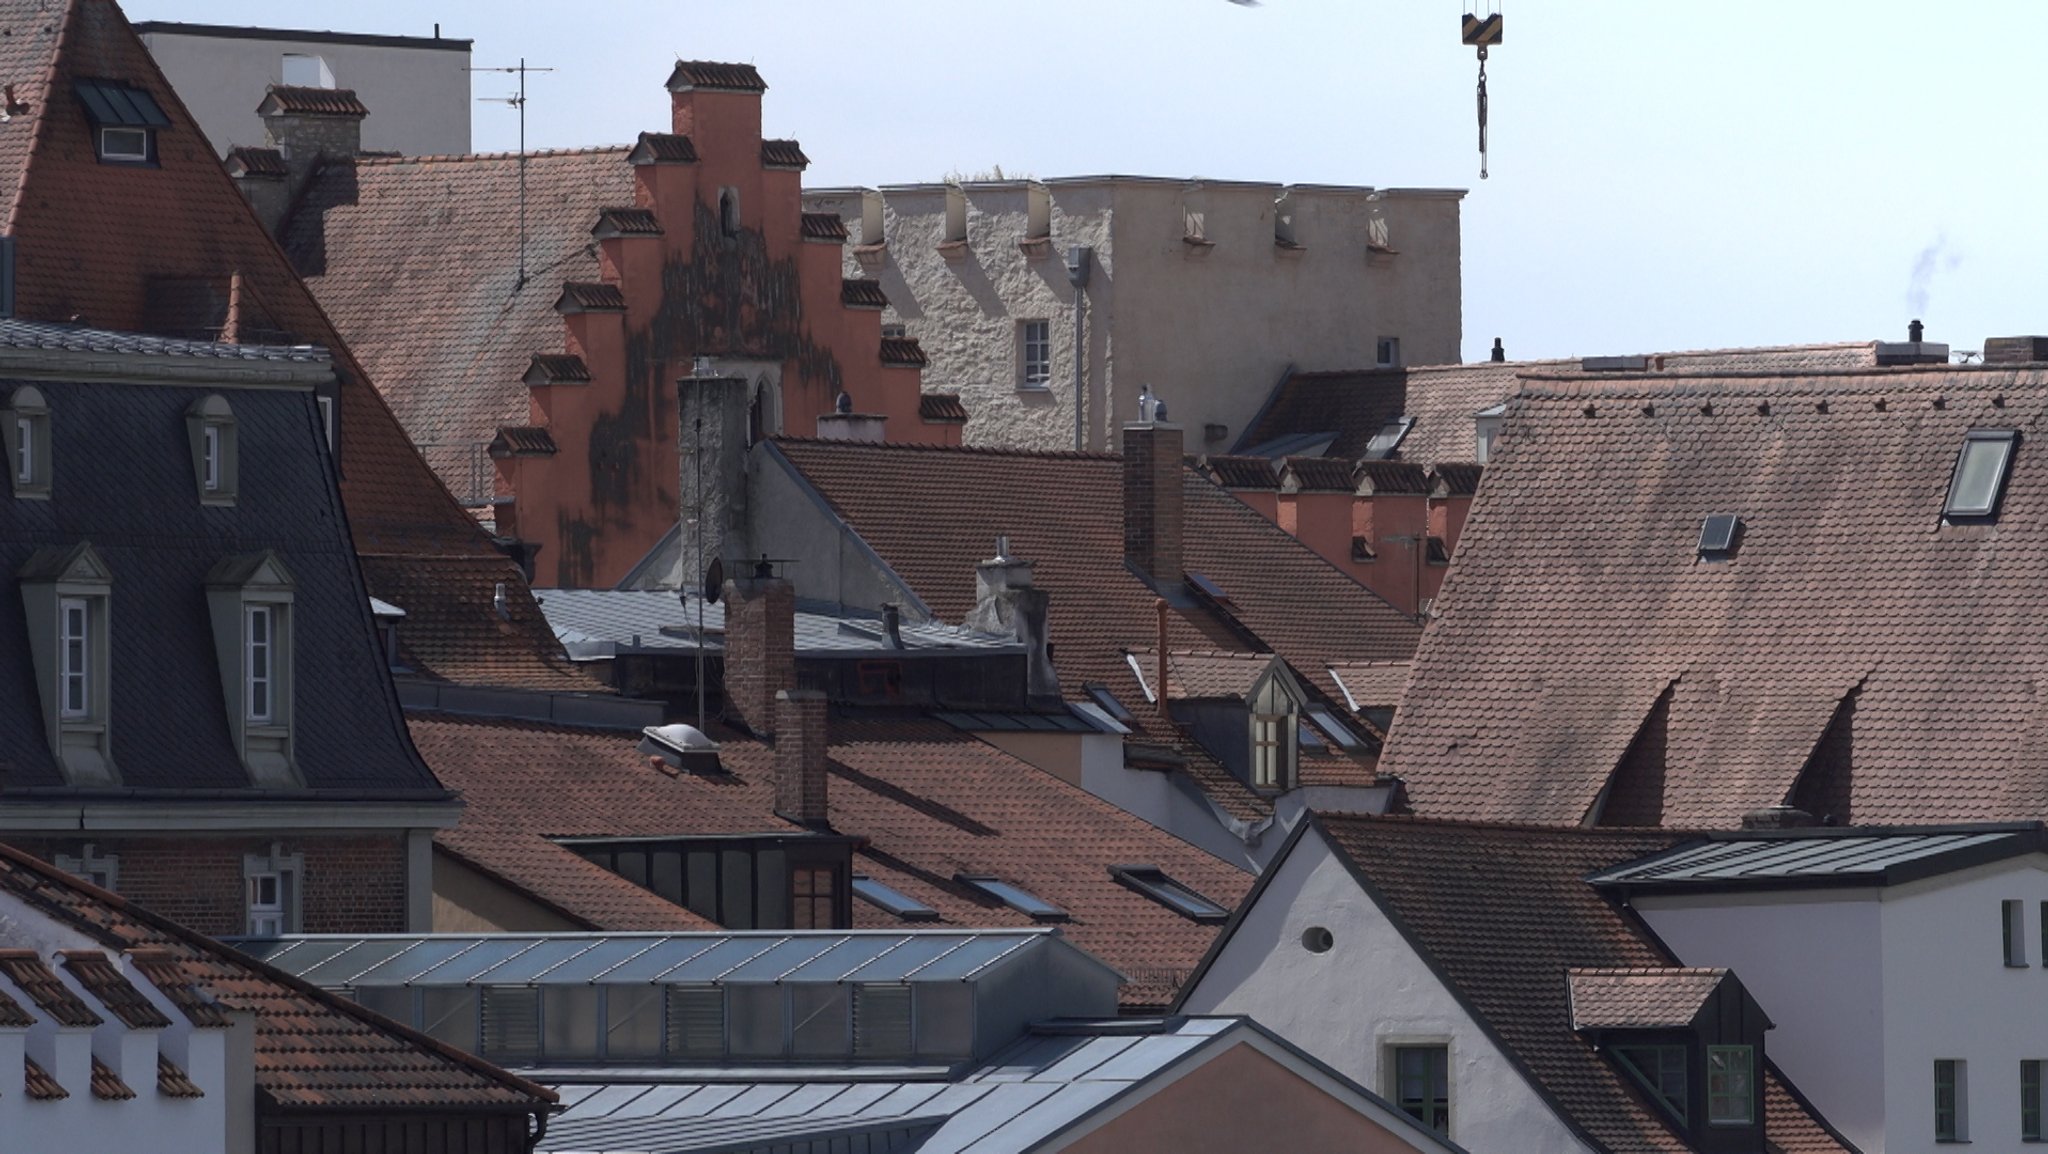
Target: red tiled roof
[(172, 1082), (1206, 674), (1316, 475), (452, 631), (1391, 477), (297, 100), (1242, 472), (1580, 600), (39, 1084), (1503, 914), (1371, 683), (555, 368), (26, 969), (664, 148), (590, 296), (313, 1049), (522, 441), (941, 408), (264, 162), (903, 352), (107, 1085), (1641, 998), (714, 74), (862, 294), (783, 154), (929, 803), (12, 1015), (1456, 478), (163, 970), (625, 222), (823, 226), (99, 977)]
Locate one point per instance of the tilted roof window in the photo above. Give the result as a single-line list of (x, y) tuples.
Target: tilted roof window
[(1978, 483), (1153, 883), (1718, 535), (1015, 897), (892, 900), (111, 104)]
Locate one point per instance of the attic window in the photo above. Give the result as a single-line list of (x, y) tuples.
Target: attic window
[(124, 119), (1978, 482), (1153, 883), (891, 900), (1388, 439), (1337, 730), (1016, 897), (1661, 1069), (28, 443), (215, 465), (1110, 705), (1388, 352), (1717, 536)]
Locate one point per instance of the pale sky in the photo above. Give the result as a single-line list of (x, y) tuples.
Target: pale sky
[(1672, 175)]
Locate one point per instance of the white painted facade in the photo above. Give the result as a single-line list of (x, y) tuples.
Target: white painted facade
[(417, 89), (1869, 987), (1368, 992), (1188, 294), (220, 1061)]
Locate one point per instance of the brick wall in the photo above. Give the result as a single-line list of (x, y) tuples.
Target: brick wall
[(760, 649), (800, 755), (1152, 500), (352, 884)]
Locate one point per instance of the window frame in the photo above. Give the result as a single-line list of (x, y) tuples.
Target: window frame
[(24, 449), (1181, 898), (1014, 896), (1429, 1110), (1387, 352), (28, 444), (259, 682), (287, 874), (2031, 1129), (1952, 1120), (891, 900), (2012, 916), (1271, 773), (144, 153), (1995, 497), (74, 658), (804, 877), (1654, 1081), (1747, 1093), (1034, 354)]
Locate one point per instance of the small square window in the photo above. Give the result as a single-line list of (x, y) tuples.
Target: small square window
[(1718, 535), (127, 145), (1977, 484), (1731, 1090)]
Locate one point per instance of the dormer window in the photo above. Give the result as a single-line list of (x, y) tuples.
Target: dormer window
[(1731, 1085), (250, 599), (28, 443), (1661, 1070), (215, 465), (1978, 482), (124, 121), (66, 595), (1270, 749), (1718, 535)]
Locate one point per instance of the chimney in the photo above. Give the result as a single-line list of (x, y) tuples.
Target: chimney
[(1006, 601), (713, 481), (2015, 350), (1915, 350), (760, 649), (800, 755), (1500, 352), (1152, 495), (309, 125), (717, 105)]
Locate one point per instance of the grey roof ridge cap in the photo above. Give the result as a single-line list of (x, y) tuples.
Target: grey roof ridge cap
[(58, 364)]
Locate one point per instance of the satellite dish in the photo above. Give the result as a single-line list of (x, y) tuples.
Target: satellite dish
[(714, 580)]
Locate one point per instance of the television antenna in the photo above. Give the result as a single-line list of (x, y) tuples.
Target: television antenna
[(517, 101)]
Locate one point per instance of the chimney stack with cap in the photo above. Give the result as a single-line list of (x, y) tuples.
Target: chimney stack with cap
[(1152, 495), (309, 125), (760, 650), (1006, 601), (800, 756)]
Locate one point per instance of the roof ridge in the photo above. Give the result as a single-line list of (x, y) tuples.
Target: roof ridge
[(963, 450), (1893, 376), (1562, 832), (465, 157)]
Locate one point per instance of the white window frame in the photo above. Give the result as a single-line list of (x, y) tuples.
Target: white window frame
[(279, 912), (1270, 772), (108, 150), (1034, 354), (74, 669), (254, 680), (90, 865)]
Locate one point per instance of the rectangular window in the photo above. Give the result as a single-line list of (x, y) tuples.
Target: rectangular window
[(269, 898), (327, 419), (212, 450), (2013, 915), (1035, 339), (1979, 477), (1662, 1069), (1422, 1085), (812, 901), (2030, 1100), (1389, 351), (1269, 750), (1951, 1100), (24, 450), (259, 659), (74, 673), (1731, 1090), (127, 144)]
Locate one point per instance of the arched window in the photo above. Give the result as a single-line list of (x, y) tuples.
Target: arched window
[(729, 211)]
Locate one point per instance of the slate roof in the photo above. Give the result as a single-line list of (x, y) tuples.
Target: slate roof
[(314, 1050), (90, 239), (1204, 675), (1503, 915), (929, 802), (1643, 998), (1580, 600), (125, 488)]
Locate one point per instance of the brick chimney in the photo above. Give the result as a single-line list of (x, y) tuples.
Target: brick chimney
[(760, 649), (309, 125), (800, 756), (1152, 500), (1006, 601), (721, 102)]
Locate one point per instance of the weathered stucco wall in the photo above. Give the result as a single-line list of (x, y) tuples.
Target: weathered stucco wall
[(1209, 327)]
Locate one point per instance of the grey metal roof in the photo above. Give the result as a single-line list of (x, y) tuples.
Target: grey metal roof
[(21, 334), (826, 956), (596, 624), (1039, 1086), (1813, 858)]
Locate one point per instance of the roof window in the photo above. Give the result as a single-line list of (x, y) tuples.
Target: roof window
[(892, 900), (1153, 883), (1388, 439), (1717, 536), (125, 119), (1978, 482), (1337, 730), (1016, 897), (1110, 705)]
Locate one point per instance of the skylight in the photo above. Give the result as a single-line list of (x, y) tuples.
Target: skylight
[(1016, 897), (1388, 439), (119, 105), (1338, 731), (892, 900), (1979, 479), (1153, 883), (1110, 705), (1717, 536)]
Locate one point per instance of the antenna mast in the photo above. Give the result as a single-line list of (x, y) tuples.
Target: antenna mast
[(518, 102)]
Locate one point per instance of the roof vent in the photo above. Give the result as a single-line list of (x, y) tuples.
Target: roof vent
[(1718, 536), (1614, 364), (685, 747), (1914, 351)]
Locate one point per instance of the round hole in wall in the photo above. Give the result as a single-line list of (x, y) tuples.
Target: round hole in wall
[(1317, 940)]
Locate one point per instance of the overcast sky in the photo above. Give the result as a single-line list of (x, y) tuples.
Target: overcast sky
[(1684, 174)]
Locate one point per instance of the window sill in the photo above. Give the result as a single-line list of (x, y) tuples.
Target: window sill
[(1035, 390), (1035, 247), (39, 493)]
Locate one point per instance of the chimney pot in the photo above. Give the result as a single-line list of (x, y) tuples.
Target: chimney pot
[(892, 623), (1500, 353), (801, 754), (1914, 331)]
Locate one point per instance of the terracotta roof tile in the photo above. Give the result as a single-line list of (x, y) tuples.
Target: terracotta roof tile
[(298, 100), (172, 1082), (1456, 478), (1372, 684), (862, 294), (1563, 624), (929, 802), (452, 632), (12, 1015), (1503, 914), (1242, 472), (590, 297), (902, 352), (625, 222), (523, 441), (715, 75), (162, 969), (783, 154), (1316, 475), (1205, 675), (263, 162), (107, 1085), (824, 226), (1391, 477), (313, 1049), (941, 408), (97, 974), (35, 978), (664, 148), (1643, 998), (39, 1084), (557, 368)]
